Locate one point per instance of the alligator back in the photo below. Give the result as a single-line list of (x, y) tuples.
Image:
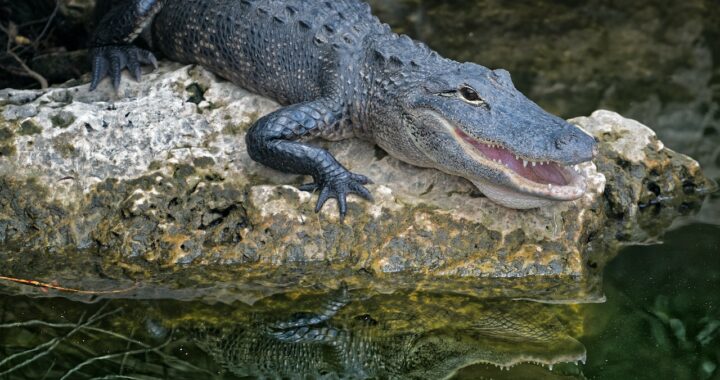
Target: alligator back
[(296, 43)]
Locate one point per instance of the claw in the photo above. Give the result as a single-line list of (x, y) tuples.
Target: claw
[(339, 187), (342, 205), (135, 69), (324, 196), (362, 191), (362, 179), (309, 187), (111, 60), (99, 70), (147, 57), (117, 62), (115, 73)]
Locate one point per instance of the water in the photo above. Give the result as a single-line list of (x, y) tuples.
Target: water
[(656, 61), (661, 320)]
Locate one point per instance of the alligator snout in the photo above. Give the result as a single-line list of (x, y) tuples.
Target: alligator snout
[(575, 146)]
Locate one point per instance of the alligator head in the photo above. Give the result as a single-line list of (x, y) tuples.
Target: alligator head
[(470, 121)]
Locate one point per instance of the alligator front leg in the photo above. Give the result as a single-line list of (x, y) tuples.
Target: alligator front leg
[(111, 48), (272, 141), (312, 327)]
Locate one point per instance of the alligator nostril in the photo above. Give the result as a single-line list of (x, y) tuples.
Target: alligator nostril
[(564, 140)]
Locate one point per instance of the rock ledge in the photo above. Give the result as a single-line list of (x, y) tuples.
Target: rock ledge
[(157, 179)]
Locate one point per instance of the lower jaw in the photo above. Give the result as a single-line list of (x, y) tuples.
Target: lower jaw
[(512, 199)]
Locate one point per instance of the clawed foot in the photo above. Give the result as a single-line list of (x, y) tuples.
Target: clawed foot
[(339, 187), (309, 327), (111, 60)]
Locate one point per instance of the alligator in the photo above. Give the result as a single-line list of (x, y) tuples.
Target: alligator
[(339, 72)]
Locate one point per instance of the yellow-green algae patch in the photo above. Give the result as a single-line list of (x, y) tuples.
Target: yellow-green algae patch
[(62, 119), (29, 127), (241, 128), (7, 142), (63, 145)]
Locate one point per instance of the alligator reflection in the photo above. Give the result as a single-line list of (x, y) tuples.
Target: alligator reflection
[(397, 336), (341, 335)]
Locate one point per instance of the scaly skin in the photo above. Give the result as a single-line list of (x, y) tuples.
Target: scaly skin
[(339, 343), (341, 73)]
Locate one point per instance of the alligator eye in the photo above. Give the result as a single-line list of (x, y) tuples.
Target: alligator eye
[(469, 94)]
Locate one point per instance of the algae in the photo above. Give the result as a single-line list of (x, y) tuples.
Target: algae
[(62, 119), (29, 127), (7, 143), (62, 144), (239, 129)]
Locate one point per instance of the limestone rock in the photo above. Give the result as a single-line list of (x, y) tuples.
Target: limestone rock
[(155, 181)]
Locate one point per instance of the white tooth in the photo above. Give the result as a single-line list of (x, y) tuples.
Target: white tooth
[(534, 163), (550, 186), (524, 163)]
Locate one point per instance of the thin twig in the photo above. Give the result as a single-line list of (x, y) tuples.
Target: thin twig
[(48, 370), (63, 289), (47, 24), (30, 72), (124, 359), (112, 356), (51, 344), (37, 323), (11, 31), (8, 34), (113, 334)]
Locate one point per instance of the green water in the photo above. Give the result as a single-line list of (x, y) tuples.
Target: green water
[(662, 318), (656, 61)]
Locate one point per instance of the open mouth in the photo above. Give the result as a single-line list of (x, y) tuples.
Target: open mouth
[(542, 178)]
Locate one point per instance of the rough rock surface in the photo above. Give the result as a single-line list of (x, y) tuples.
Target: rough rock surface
[(156, 179)]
